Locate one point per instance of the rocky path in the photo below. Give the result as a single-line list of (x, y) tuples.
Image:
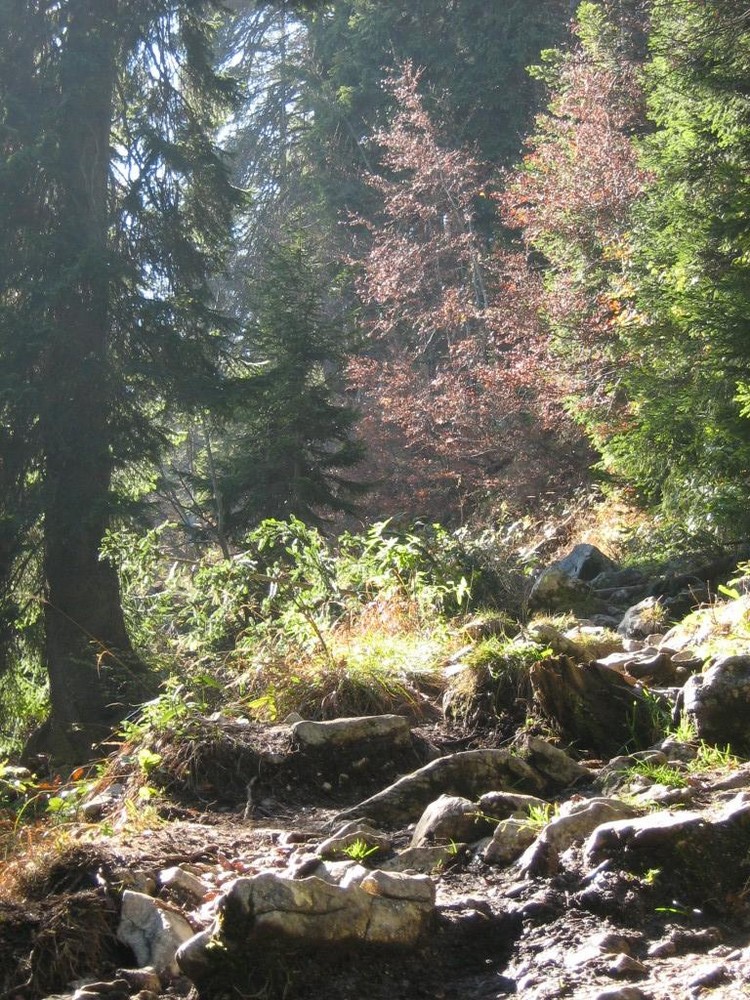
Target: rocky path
[(370, 859), (478, 874)]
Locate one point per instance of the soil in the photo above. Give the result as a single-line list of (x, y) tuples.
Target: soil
[(237, 799)]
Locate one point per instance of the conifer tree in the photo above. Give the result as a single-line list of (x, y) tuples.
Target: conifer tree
[(290, 441), (687, 444), (114, 208)]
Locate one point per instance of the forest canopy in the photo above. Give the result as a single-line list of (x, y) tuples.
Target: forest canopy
[(342, 261)]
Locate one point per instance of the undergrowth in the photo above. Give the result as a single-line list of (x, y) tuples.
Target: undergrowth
[(296, 622)]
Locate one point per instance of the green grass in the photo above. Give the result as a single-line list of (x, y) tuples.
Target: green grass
[(711, 758), (660, 774), (685, 732), (360, 850), (539, 817)]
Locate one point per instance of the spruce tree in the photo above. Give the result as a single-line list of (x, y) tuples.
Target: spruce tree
[(290, 443), (114, 208), (687, 332)]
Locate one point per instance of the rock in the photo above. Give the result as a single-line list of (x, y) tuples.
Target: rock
[(502, 805), (468, 774), (617, 661), (595, 640), (511, 838), (708, 976), (183, 881), (396, 885), (547, 635), (344, 732), (641, 620), (622, 993), (662, 949), (575, 824), (141, 979), (655, 666), (700, 856), (592, 706), (586, 562), (424, 860), (303, 863), (450, 818), (106, 988), (557, 767), (644, 833), (615, 772), (626, 965), (349, 835), (265, 918), (554, 589), (717, 702), (94, 809), (153, 932), (13, 773), (612, 943), (350, 874), (565, 583), (717, 630), (618, 579), (664, 795), (737, 779)]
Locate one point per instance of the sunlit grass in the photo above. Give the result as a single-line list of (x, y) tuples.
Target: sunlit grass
[(388, 659)]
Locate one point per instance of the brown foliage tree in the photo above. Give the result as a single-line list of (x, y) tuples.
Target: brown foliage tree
[(451, 388), (572, 200)]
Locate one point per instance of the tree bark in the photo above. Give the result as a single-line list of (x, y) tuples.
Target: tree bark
[(93, 672)]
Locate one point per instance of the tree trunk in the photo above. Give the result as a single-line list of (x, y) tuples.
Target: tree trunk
[(94, 675)]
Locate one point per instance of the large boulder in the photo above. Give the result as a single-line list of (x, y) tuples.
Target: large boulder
[(700, 858), (585, 562), (717, 702), (264, 919), (566, 582)]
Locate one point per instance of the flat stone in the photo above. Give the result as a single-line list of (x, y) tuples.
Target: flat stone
[(343, 732), (423, 860), (262, 917), (396, 885)]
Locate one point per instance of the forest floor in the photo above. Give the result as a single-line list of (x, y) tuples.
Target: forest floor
[(496, 934)]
